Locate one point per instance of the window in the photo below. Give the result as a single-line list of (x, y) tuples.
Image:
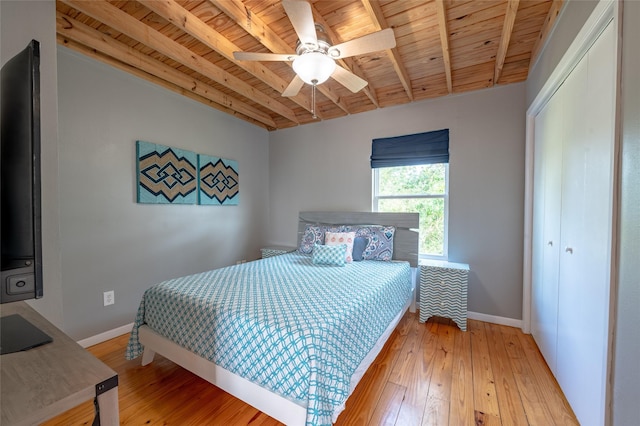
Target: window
[(423, 189), (411, 174)]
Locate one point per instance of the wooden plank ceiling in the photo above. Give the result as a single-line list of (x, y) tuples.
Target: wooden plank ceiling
[(442, 47)]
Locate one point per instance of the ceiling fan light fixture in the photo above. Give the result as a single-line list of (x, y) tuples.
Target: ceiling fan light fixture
[(314, 67)]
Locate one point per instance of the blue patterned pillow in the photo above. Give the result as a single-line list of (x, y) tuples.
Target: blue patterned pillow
[(380, 246), (359, 245), (329, 255), (311, 236), (314, 234)]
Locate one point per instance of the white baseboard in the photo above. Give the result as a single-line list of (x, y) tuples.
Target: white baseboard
[(103, 337), (495, 319)]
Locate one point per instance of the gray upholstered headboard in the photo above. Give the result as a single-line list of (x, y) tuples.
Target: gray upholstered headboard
[(405, 240)]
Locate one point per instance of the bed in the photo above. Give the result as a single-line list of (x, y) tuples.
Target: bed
[(286, 335)]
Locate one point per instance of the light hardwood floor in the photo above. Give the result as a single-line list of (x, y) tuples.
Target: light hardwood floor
[(427, 374)]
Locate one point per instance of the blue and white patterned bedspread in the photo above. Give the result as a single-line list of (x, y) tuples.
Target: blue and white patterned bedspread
[(295, 328)]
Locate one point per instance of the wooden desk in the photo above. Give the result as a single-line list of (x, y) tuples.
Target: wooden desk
[(45, 381)]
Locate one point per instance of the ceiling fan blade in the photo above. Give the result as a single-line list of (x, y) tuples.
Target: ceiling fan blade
[(301, 17), (256, 56), (348, 79), (294, 87), (380, 40)]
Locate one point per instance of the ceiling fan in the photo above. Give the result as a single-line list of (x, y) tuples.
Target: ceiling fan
[(315, 58)]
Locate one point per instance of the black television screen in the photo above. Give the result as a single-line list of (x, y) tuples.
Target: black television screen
[(20, 234)]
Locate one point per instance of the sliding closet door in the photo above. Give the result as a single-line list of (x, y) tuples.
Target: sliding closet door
[(546, 226), (586, 222)]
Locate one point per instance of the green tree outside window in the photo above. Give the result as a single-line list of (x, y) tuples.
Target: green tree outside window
[(421, 189)]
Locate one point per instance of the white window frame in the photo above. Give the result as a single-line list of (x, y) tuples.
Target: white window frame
[(377, 197)]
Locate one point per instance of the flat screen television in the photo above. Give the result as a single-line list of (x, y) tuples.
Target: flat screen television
[(20, 172), (20, 231)]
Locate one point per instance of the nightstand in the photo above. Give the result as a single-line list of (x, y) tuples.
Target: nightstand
[(443, 291), (275, 251)]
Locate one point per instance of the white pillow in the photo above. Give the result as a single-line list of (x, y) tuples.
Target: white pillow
[(336, 238)]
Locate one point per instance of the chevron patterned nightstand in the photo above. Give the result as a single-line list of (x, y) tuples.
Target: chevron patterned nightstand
[(443, 291), (275, 251)]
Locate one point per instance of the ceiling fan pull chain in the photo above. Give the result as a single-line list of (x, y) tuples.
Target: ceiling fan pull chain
[(313, 101)]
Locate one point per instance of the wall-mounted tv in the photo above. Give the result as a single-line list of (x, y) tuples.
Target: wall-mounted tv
[(20, 234)]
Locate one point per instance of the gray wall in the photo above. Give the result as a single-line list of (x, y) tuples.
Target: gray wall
[(326, 166), (21, 21), (626, 389), (572, 17), (626, 367), (107, 240)]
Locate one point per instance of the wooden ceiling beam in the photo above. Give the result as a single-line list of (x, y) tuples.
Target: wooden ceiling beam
[(253, 25), (347, 63), (165, 75), (549, 21), (121, 21), (201, 31), (380, 22), (444, 41), (507, 29)]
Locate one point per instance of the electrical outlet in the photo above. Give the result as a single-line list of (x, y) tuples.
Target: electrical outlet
[(108, 298)]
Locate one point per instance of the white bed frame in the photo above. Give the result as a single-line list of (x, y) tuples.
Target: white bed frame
[(274, 405)]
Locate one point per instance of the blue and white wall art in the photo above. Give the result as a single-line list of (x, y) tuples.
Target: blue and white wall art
[(218, 179), (166, 175)]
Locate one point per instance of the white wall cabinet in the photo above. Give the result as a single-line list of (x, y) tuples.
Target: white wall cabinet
[(572, 229)]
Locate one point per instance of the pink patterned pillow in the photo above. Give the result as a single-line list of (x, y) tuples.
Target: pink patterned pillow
[(336, 238)]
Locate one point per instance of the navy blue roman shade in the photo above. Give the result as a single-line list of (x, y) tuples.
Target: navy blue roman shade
[(411, 150)]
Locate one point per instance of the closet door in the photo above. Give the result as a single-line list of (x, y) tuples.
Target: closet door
[(546, 227), (586, 221)]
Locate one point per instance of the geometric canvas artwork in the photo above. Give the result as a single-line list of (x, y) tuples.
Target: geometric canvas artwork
[(218, 181), (166, 175)]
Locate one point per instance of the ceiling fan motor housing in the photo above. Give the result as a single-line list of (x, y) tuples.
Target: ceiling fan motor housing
[(323, 43)]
